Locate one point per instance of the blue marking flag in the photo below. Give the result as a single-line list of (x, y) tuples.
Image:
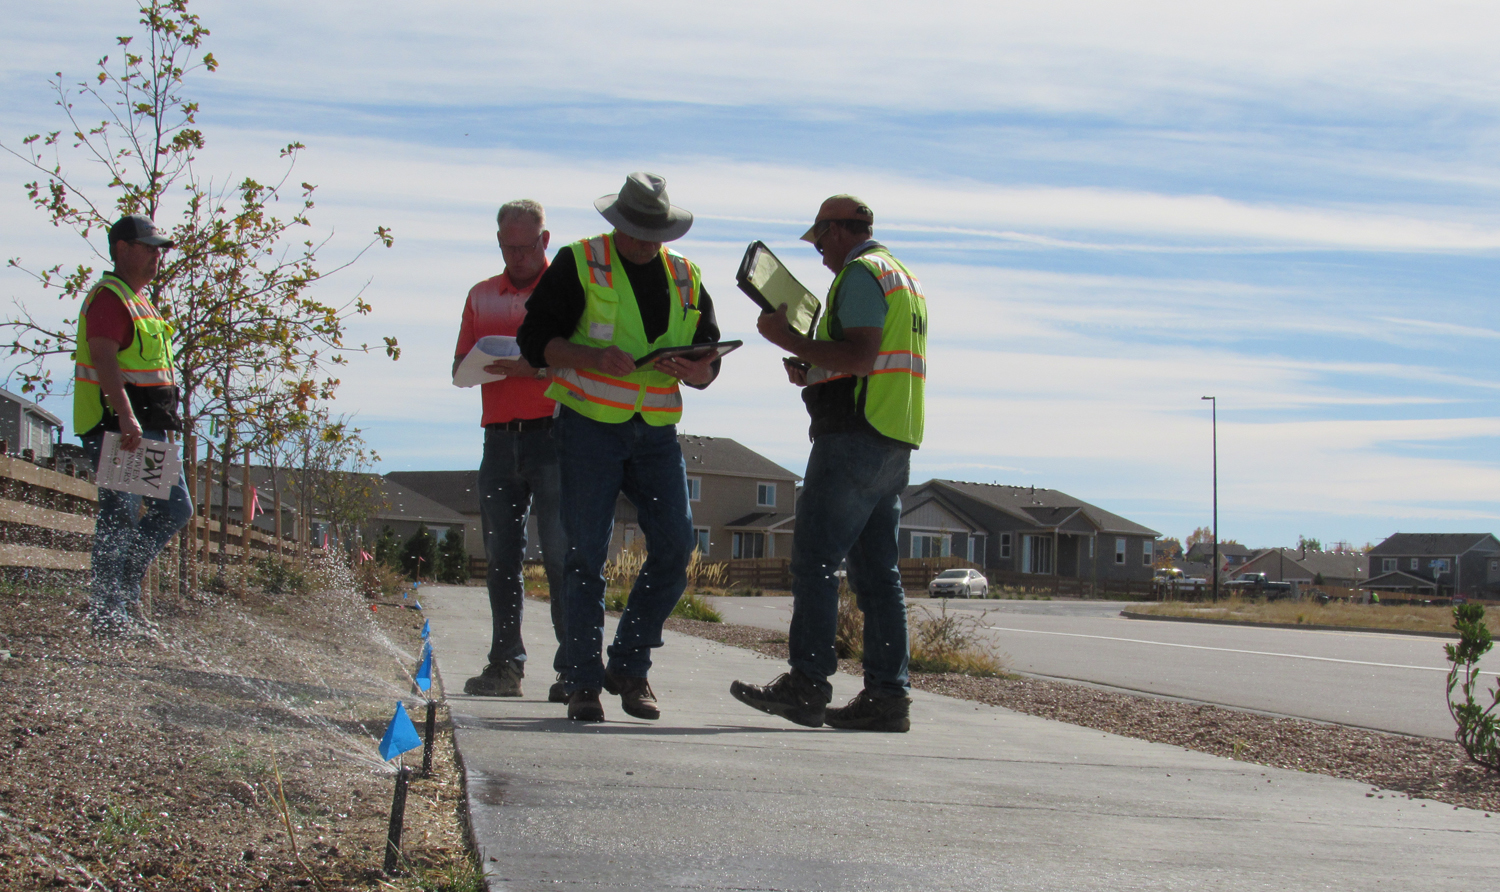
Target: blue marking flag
[(424, 669), (400, 735), (426, 629), (419, 605)]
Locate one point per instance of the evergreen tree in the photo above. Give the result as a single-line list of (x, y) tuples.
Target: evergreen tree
[(453, 559), (387, 549), (419, 554)]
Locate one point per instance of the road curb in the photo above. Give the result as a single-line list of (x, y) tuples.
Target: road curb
[(1310, 626)]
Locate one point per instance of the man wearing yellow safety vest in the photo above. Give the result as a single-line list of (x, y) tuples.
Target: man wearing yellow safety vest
[(863, 370), (604, 303), (125, 381)]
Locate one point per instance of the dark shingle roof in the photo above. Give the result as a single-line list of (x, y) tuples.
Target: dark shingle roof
[(760, 520), (721, 455), (456, 490), (1020, 501), (403, 504), (1434, 544)]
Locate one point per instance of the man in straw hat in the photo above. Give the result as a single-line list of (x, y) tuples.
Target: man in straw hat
[(125, 380), (602, 304), (864, 392)]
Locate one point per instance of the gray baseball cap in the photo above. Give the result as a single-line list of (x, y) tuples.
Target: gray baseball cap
[(137, 228)]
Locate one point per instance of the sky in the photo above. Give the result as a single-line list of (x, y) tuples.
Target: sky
[(1114, 210)]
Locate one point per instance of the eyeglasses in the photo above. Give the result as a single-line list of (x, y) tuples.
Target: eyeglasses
[(527, 247)]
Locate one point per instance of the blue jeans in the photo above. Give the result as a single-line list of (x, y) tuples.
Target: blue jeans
[(598, 462), (850, 505), (125, 543), (519, 473)]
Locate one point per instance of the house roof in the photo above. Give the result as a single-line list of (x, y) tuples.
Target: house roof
[(721, 455), (1329, 564), (30, 408), (1054, 505), (404, 504), (760, 520), (1432, 544), (455, 490), (1398, 580), (1203, 551)]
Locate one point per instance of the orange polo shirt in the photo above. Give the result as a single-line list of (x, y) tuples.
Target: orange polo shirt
[(496, 307)]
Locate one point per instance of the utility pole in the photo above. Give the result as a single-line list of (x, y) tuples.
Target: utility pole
[(1214, 403)]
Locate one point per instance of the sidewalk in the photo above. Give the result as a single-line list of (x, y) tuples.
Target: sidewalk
[(716, 796)]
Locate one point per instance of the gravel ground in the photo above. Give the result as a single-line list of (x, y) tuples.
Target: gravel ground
[(1392, 764)]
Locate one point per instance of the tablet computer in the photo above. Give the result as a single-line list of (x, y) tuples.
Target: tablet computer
[(770, 284), (714, 350)]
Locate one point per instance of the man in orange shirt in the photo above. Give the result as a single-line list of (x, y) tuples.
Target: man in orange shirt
[(519, 467)]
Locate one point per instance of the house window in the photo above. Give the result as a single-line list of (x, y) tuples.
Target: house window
[(765, 495), (1146, 548), (1387, 565), (629, 538), (1416, 564), (1005, 546), (1036, 554), (929, 545), (749, 545), (700, 540), (695, 489), (1119, 551), (1440, 565), (1494, 565)]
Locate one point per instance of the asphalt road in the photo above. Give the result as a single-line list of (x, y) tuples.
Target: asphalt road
[(1371, 680)]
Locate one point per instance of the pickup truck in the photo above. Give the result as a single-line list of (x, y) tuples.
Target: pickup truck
[(1257, 583)]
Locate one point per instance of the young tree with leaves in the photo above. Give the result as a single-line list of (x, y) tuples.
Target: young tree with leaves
[(250, 333)]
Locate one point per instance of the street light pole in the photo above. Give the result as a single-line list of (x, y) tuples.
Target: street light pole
[(1214, 403)]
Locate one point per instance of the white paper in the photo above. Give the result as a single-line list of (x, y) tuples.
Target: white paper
[(486, 350), (151, 470)]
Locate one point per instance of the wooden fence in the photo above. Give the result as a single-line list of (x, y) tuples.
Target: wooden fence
[(47, 524)]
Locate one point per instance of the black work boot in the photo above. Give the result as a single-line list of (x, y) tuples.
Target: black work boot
[(793, 696), (872, 712), (495, 681), (558, 693)]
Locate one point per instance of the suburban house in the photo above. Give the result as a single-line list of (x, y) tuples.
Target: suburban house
[(1346, 569), (1232, 556), (1024, 529), (742, 502), (1443, 564), (26, 425)]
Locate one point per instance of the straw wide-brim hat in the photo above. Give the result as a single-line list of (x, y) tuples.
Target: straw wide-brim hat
[(641, 210)]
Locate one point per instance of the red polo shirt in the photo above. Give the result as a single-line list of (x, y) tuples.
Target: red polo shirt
[(496, 307)]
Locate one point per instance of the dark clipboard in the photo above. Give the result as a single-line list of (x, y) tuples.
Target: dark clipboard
[(694, 351), (770, 284)]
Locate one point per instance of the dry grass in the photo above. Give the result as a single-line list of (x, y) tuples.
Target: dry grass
[(940, 642), (1337, 613)]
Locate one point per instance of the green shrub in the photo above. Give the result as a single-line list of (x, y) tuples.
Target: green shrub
[(279, 577), (387, 549), (694, 606), (1478, 726)]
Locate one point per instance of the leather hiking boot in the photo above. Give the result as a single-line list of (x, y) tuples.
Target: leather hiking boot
[(636, 697), (871, 712), (793, 696), (495, 681), (558, 693), (583, 706)]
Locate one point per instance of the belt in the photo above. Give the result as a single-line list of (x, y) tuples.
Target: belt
[(524, 424)]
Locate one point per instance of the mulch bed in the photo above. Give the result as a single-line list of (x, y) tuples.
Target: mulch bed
[(1392, 764)]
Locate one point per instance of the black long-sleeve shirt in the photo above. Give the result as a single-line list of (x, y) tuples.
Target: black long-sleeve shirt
[(557, 303)]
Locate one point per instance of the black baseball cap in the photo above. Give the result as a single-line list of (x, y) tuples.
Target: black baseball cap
[(137, 228)]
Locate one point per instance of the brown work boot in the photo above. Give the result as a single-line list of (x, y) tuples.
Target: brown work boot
[(636, 697), (583, 706), (792, 695), (558, 693)]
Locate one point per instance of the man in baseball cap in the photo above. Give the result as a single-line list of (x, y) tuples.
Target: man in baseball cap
[(125, 382)]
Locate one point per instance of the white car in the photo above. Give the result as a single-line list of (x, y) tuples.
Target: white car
[(959, 584)]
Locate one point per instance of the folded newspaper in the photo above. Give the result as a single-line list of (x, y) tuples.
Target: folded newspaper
[(151, 470), (485, 351)]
